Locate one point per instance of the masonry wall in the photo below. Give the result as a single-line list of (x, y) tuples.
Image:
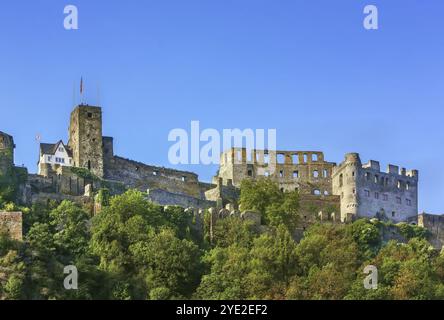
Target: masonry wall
[(85, 138), (141, 176), (163, 197), (12, 223), (306, 171), (6, 153), (57, 179), (366, 191), (435, 224)]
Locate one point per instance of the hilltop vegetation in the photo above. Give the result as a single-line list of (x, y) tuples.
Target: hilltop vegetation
[(137, 250)]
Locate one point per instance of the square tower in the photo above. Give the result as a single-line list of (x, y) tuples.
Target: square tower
[(85, 138), (6, 153)]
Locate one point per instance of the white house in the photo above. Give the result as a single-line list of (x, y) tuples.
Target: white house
[(57, 153)]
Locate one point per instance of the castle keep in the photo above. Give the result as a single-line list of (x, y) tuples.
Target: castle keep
[(366, 191), (328, 191)]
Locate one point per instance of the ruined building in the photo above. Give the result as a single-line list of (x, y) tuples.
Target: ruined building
[(304, 171), (328, 192), (360, 190), (88, 149), (366, 191)]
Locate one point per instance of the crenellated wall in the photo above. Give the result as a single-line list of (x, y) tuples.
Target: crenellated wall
[(366, 191)]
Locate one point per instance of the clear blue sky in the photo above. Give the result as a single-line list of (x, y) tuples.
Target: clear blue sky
[(307, 68)]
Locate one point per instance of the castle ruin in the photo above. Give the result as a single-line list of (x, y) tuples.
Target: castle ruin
[(338, 192)]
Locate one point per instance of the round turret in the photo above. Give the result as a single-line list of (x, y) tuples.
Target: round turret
[(353, 158)]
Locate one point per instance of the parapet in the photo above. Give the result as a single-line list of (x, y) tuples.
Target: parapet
[(264, 156), (372, 164)]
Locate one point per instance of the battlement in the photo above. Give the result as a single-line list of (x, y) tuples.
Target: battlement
[(375, 167), (366, 191)]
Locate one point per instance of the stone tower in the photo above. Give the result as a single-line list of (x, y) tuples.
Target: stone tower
[(6, 153), (368, 192), (345, 185), (85, 138)]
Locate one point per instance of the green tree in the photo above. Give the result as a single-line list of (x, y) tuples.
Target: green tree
[(167, 262), (275, 206)]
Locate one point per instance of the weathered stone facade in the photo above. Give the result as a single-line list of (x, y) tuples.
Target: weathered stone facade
[(12, 223), (85, 138), (58, 179), (365, 191), (435, 224), (328, 192), (6, 153), (305, 171)]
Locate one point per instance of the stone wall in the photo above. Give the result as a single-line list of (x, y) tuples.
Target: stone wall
[(219, 192), (44, 198), (435, 224), (366, 191), (317, 209), (58, 179), (6, 153), (142, 177), (305, 171), (85, 138), (163, 197), (12, 223)]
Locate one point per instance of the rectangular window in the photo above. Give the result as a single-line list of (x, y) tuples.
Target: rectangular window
[(385, 197), (295, 174), (367, 193), (49, 158), (409, 202), (398, 200), (376, 195)]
